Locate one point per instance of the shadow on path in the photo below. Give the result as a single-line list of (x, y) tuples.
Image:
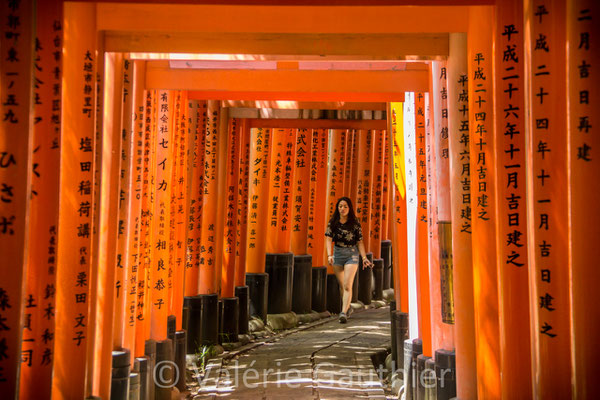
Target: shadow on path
[(328, 361)]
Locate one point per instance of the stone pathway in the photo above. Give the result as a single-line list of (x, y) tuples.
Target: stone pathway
[(327, 361)]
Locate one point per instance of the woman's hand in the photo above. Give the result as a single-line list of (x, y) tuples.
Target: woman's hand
[(330, 260), (366, 263)]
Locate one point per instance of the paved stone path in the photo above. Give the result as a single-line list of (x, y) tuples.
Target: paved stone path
[(328, 361)]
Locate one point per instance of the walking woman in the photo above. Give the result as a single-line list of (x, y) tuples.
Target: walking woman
[(345, 231)]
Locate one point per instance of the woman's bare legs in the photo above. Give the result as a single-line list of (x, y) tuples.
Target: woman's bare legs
[(345, 277), (339, 274)]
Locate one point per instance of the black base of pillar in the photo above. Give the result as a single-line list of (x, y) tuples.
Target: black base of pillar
[(334, 297), (201, 321), (445, 372), (219, 320), (241, 292), (412, 349), (134, 386), (280, 267), (163, 375), (393, 333), (119, 387), (399, 328), (180, 352), (420, 377), (365, 279), (378, 279), (141, 367), (150, 353), (192, 322), (258, 294), (319, 289), (229, 320), (209, 319), (171, 328), (185, 313), (429, 381), (302, 284), (386, 255)]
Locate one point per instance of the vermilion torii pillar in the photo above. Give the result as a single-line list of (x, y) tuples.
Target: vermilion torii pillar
[(386, 191), (441, 224), (280, 190), (513, 263), (231, 227), (259, 174), (584, 164), (135, 221), (460, 184), (208, 238), (482, 157), (301, 185), (363, 184), (336, 184), (433, 247), (377, 192), (438, 193), (318, 193), (77, 142), (242, 208), (146, 250), (221, 151), (548, 200), (421, 243), (411, 188), (38, 333), (348, 164), (164, 163), (179, 198), (344, 167), (398, 211), (123, 272), (106, 283), (285, 214), (197, 111)]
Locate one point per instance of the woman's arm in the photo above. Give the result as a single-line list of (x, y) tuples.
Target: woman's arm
[(363, 254), (329, 248)]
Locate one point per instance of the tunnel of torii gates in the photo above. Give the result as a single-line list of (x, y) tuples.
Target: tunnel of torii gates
[(159, 160)]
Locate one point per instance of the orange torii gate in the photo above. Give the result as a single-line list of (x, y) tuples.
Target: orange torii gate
[(141, 221)]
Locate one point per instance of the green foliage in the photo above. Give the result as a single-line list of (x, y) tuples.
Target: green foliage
[(203, 354)]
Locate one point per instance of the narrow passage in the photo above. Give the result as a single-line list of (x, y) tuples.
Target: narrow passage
[(329, 361)]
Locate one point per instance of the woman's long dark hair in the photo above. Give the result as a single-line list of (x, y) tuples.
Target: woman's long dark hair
[(335, 218)]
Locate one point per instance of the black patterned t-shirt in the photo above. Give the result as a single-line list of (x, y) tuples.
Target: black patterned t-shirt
[(345, 235)]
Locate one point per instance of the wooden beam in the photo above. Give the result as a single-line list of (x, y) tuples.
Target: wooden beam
[(160, 76), (281, 19), (317, 123), (264, 96), (274, 113), (305, 105), (315, 2), (392, 46)]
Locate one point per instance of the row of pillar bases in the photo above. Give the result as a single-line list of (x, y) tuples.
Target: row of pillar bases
[(424, 378), (153, 375), (290, 283)]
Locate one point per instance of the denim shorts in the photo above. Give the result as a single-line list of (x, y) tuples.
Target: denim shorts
[(345, 255)]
